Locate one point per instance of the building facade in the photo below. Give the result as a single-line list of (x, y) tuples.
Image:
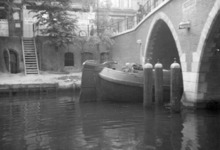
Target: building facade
[(17, 23)]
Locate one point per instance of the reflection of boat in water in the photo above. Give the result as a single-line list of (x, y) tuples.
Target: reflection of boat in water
[(126, 84)]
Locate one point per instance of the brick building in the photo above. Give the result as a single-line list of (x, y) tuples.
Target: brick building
[(18, 33)]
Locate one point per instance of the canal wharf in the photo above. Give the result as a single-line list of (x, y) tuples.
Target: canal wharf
[(15, 89), (27, 89), (12, 85)]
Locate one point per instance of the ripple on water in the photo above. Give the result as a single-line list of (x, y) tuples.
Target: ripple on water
[(61, 122)]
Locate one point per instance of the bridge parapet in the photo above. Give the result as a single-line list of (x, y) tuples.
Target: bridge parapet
[(131, 23)]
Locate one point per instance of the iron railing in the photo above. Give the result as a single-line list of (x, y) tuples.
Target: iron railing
[(123, 25), (131, 22)]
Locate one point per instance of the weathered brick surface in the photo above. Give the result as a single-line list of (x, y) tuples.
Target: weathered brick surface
[(173, 10), (127, 50), (51, 62)]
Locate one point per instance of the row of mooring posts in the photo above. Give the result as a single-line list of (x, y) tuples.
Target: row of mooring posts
[(157, 80)]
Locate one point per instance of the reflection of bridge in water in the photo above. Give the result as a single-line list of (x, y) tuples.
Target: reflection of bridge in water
[(61, 122), (186, 30)]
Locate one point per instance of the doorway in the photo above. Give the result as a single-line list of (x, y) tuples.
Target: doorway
[(11, 61)]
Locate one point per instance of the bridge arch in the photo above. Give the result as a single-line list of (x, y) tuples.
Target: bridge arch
[(206, 59), (159, 25)]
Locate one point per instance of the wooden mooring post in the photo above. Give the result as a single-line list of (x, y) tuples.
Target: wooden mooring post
[(88, 86), (148, 84), (158, 83), (175, 93)]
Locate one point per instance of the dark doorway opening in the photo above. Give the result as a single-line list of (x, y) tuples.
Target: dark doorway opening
[(11, 61), (162, 46), (68, 59)]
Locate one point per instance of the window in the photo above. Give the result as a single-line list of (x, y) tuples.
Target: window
[(116, 3), (156, 3), (3, 12), (148, 6), (11, 60), (69, 59), (127, 3)]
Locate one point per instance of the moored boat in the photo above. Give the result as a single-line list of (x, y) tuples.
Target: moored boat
[(121, 85)]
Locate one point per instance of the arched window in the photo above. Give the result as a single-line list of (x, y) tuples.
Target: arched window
[(69, 59), (11, 60)]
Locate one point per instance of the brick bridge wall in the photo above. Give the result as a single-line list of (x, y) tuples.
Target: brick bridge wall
[(193, 45)]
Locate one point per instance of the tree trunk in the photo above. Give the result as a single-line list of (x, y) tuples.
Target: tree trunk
[(58, 58)]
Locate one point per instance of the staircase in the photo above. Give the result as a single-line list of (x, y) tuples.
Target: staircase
[(30, 56)]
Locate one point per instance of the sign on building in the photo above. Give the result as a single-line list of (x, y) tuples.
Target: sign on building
[(188, 4), (4, 28)]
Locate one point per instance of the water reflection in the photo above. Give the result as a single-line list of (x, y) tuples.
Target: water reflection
[(201, 130), (60, 122)]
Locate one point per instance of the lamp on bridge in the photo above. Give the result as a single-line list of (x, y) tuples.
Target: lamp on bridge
[(185, 25)]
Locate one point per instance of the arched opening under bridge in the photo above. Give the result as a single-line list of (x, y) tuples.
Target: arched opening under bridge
[(162, 46), (210, 63)]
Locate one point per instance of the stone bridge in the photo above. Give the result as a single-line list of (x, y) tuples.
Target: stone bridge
[(188, 30)]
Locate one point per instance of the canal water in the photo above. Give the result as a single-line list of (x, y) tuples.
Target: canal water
[(60, 122)]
